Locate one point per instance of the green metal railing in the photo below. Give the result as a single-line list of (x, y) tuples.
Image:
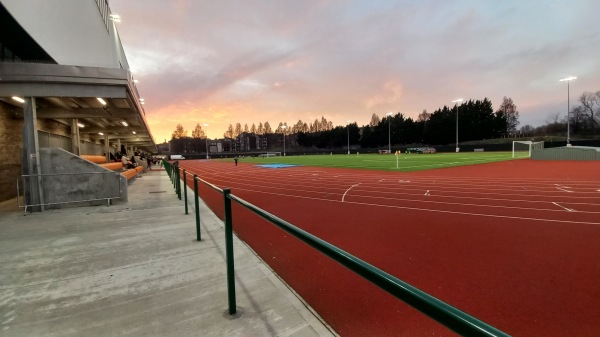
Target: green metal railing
[(449, 316)]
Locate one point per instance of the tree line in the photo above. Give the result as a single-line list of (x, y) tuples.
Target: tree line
[(582, 119), (477, 120)]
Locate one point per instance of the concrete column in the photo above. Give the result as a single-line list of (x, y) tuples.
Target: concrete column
[(106, 148), (31, 166), (75, 137)]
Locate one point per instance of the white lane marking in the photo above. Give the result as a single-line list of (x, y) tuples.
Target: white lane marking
[(427, 193), (562, 189), (563, 207), (351, 187), (404, 181), (429, 210)]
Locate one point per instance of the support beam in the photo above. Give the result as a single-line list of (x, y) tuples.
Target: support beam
[(75, 137), (30, 162)]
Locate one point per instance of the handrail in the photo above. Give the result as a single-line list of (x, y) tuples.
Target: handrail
[(451, 317), (447, 315)]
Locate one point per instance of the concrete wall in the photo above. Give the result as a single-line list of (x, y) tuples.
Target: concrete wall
[(72, 32), (69, 178), (11, 143), (567, 153)]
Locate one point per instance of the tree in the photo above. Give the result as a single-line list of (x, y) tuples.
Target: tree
[(229, 132), (179, 132), (375, 120), (590, 103), (260, 130), (267, 128), (423, 116), (238, 130), (246, 130), (198, 132), (508, 111), (253, 128)]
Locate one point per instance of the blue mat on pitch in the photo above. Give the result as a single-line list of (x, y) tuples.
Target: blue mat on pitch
[(277, 165)]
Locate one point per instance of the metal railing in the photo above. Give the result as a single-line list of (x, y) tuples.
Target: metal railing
[(449, 316), (35, 190)]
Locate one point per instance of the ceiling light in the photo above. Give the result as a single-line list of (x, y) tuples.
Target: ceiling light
[(18, 99), (124, 123), (80, 125), (141, 99), (115, 17), (135, 81), (100, 133), (101, 100), (133, 132)]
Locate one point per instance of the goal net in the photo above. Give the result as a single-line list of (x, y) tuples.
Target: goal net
[(522, 149), (270, 154)]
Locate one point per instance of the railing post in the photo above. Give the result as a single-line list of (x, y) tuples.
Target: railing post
[(198, 236), (229, 252), (178, 182), (185, 191)]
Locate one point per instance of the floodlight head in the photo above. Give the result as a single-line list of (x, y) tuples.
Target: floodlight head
[(103, 102), (389, 113), (570, 78), (18, 99), (458, 100)]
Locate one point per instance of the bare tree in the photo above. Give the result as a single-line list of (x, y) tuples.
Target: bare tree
[(590, 104), (508, 110), (375, 120), (423, 116)]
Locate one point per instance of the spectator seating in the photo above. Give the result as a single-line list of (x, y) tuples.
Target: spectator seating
[(94, 159), (116, 166)]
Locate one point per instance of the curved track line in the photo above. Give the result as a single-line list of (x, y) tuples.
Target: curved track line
[(343, 196)]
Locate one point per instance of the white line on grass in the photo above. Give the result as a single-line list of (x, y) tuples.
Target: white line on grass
[(348, 190)]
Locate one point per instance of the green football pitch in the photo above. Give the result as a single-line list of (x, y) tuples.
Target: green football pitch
[(391, 162)]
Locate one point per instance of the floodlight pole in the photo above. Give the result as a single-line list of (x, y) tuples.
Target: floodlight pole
[(348, 128), (389, 114), (456, 101), (568, 80), (206, 141), (283, 132)]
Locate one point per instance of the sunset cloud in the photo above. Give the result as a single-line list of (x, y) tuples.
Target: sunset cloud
[(223, 62)]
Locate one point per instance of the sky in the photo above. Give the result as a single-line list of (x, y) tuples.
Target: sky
[(250, 61)]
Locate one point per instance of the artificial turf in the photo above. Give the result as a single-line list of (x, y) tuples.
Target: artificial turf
[(403, 162)]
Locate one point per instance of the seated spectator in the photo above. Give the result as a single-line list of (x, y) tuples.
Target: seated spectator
[(128, 164)]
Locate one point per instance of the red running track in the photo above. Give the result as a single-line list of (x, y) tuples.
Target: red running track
[(515, 244)]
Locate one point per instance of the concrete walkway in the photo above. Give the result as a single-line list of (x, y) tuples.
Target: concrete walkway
[(136, 269)]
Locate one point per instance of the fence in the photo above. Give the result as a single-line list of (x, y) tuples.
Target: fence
[(66, 188), (449, 316)]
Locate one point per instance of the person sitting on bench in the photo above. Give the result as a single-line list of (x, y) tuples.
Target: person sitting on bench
[(128, 164)]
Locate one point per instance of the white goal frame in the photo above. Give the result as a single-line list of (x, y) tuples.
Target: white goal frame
[(531, 145)]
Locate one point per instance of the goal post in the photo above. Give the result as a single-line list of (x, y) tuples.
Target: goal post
[(270, 154), (523, 148)]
